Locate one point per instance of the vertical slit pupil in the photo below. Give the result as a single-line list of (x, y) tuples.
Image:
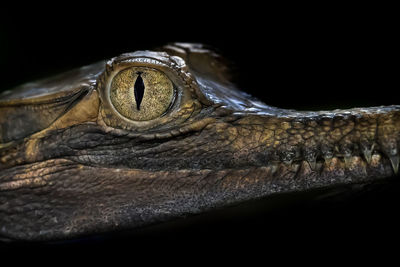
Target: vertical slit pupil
[(139, 90)]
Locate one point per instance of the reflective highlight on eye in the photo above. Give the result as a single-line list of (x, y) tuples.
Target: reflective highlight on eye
[(141, 93)]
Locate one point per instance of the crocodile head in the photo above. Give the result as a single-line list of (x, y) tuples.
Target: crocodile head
[(154, 135)]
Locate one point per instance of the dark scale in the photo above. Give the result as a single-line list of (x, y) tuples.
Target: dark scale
[(139, 90)]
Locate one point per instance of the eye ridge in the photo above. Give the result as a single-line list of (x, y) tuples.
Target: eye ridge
[(139, 89)]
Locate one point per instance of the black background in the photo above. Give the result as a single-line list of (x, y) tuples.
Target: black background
[(301, 57)]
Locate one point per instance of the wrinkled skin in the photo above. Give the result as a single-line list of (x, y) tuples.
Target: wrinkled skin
[(71, 166)]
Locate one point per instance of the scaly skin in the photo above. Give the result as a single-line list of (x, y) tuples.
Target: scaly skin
[(71, 166)]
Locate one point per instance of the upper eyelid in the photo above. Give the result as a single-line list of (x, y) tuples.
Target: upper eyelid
[(165, 63)]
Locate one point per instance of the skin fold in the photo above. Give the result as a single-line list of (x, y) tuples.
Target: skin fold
[(71, 165)]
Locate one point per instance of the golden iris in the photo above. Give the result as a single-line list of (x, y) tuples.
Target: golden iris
[(152, 101)]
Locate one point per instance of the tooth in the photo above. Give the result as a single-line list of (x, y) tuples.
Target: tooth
[(395, 163), (368, 152), (391, 151), (368, 155), (347, 161), (287, 157), (311, 159), (327, 154), (310, 155), (312, 163)]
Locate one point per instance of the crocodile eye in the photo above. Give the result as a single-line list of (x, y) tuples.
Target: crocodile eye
[(141, 93)]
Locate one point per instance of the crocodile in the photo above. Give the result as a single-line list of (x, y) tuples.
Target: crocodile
[(152, 136)]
